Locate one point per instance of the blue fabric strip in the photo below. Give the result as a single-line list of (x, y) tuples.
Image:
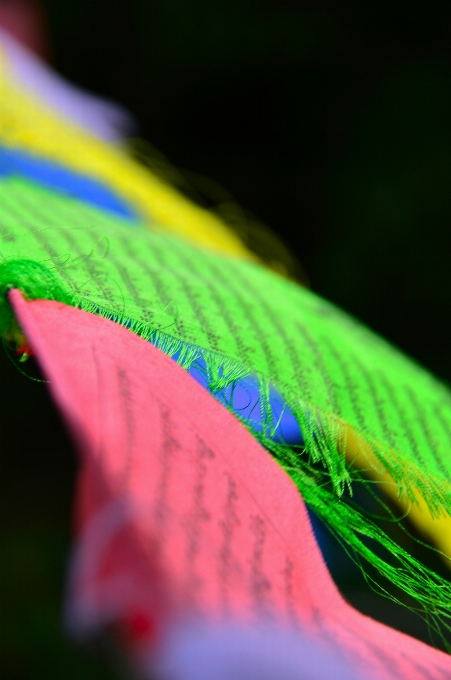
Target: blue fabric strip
[(59, 178), (243, 398)]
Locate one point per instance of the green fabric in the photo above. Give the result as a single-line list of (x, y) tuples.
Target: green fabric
[(244, 320)]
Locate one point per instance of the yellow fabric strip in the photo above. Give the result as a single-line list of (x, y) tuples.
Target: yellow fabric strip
[(436, 530)]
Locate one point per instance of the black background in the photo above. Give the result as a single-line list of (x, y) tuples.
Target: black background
[(330, 121)]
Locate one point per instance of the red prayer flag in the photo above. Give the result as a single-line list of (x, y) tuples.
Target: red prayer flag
[(181, 516)]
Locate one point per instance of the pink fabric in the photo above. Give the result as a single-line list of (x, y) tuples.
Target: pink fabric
[(181, 514)]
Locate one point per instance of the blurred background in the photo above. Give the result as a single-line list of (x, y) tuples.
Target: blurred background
[(327, 120)]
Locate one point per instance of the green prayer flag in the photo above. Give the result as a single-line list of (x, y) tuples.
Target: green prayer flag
[(243, 320)]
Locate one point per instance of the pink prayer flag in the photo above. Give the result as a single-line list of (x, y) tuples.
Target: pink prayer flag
[(181, 516)]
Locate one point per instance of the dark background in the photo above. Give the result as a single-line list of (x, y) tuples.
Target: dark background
[(330, 122)]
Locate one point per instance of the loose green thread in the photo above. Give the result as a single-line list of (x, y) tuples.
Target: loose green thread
[(243, 321)]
